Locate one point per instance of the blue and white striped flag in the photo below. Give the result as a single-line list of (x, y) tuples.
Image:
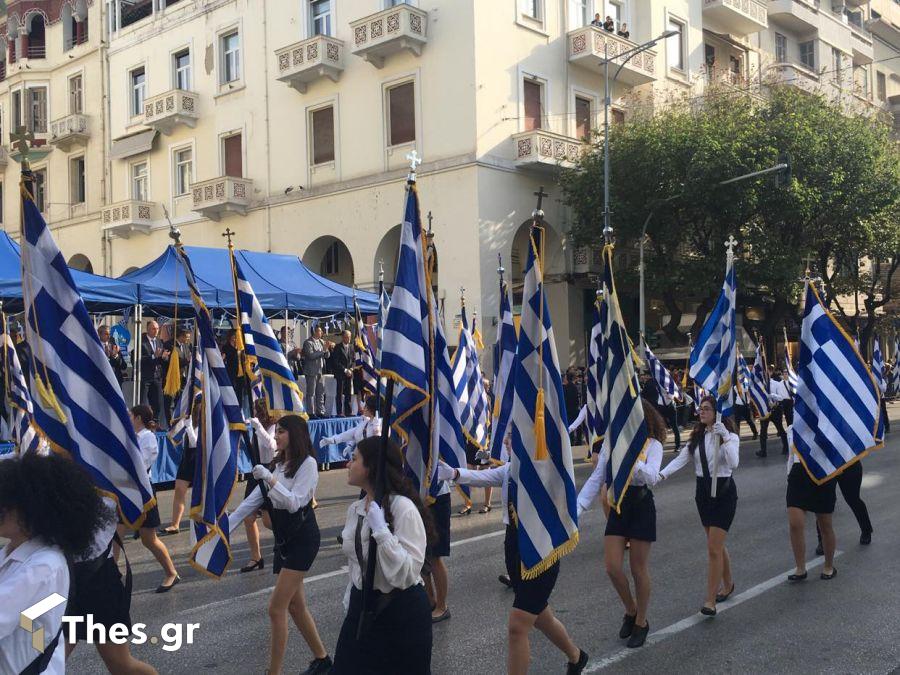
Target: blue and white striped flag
[(713, 356), (468, 387), (78, 405), (758, 384), (895, 369), (626, 433), (541, 482), (878, 365), (668, 387), (190, 396), (596, 370), (790, 377), (837, 411), (742, 385), (218, 437), (364, 359), (505, 356), (384, 301), (24, 431), (272, 377)]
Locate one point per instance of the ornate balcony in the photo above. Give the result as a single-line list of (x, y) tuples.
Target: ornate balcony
[(220, 195), (586, 260), (122, 219), (586, 49), (798, 15), (740, 17), (69, 131), (165, 111), (310, 60), (540, 148), (400, 28)]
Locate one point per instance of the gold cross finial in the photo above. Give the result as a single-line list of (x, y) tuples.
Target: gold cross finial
[(730, 243), (538, 213), (807, 260), (414, 160), (22, 139), (228, 234)]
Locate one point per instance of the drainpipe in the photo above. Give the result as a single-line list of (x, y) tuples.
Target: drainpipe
[(106, 183), (268, 194)]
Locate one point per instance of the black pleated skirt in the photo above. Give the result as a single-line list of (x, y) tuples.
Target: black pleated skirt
[(637, 519), (101, 594), (802, 493), (301, 550), (531, 595), (719, 511)]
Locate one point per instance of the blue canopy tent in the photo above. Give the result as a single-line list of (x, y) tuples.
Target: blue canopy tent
[(281, 282), (99, 293)]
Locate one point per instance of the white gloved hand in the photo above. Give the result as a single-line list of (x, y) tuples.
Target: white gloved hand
[(375, 518), (262, 473), (445, 471), (325, 442), (581, 510), (720, 429)]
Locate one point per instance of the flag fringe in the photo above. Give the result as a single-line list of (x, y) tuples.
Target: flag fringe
[(551, 559)]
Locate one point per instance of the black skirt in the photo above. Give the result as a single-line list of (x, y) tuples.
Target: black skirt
[(718, 512), (101, 594), (637, 519), (440, 512), (187, 465), (301, 550), (397, 641), (251, 485), (803, 494), (531, 595)]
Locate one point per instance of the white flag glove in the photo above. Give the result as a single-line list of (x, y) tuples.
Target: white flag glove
[(325, 442), (720, 429), (262, 473), (375, 519), (445, 472), (581, 510)]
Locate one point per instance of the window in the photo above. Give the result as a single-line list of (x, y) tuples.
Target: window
[(138, 91), (881, 86), (617, 11), (231, 57), (582, 117), (808, 54), (401, 114), (331, 261), (861, 79), (734, 70), (16, 110), (76, 178), (37, 109), (322, 121), (581, 13), (675, 45), (533, 8), (836, 63), (40, 189), (76, 94), (780, 48), (709, 58), (139, 182), (184, 161), (232, 156), (618, 116), (532, 94), (181, 62), (320, 17)]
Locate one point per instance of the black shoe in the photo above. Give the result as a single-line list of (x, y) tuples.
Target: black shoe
[(505, 580), (865, 538), (708, 611), (253, 565), (317, 666), (165, 589), (136, 534), (627, 626), (638, 636), (755, 436), (722, 597), (797, 577), (576, 668), (820, 550), (761, 453), (826, 577)]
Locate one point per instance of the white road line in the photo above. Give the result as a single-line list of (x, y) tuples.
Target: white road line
[(316, 577), (693, 620)]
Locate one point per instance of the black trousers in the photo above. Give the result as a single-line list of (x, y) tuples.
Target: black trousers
[(776, 417), (884, 416), (343, 394), (152, 395), (670, 415), (850, 483), (744, 413)]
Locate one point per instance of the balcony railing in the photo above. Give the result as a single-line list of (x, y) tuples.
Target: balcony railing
[(165, 111), (122, 219), (69, 131), (220, 195), (37, 51), (539, 147), (741, 17), (74, 41), (396, 29), (589, 44), (304, 62), (797, 76)]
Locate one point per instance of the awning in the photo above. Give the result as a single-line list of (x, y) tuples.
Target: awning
[(135, 144)]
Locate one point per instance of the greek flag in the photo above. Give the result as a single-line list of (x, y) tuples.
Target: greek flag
[(78, 405), (505, 356), (895, 369), (384, 306), (713, 356), (878, 366), (626, 427), (190, 395), (791, 379), (742, 388), (668, 387), (468, 387), (414, 355), (758, 386), (596, 368), (24, 432), (221, 424), (272, 377), (837, 410), (541, 482), (364, 359)]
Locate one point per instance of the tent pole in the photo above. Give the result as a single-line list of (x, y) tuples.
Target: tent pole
[(286, 337), (138, 320)]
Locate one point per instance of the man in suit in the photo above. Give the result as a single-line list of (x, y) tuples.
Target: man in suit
[(153, 356), (315, 351), (113, 355), (181, 344), (342, 362)]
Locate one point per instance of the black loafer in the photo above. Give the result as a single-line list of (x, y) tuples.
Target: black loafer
[(576, 668), (722, 597), (165, 589), (797, 577), (638, 636), (708, 611), (627, 626), (865, 538), (826, 577), (505, 580)]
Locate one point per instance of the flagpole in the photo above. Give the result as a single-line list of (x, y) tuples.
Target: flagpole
[(380, 333), (6, 399), (717, 441)]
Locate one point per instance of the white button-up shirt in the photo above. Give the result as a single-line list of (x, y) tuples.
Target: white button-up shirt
[(778, 390), (729, 456), (149, 447), (368, 427), (646, 472), (265, 439), (290, 494), (28, 574)]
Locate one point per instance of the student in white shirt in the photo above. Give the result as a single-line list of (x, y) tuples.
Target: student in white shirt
[(185, 476), (782, 408), (634, 523), (370, 426), (286, 495), (263, 452), (144, 426), (49, 511), (398, 638), (716, 513)]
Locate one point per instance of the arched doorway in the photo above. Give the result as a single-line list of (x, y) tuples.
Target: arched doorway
[(130, 270), (81, 262), (387, 252), (329, 257)]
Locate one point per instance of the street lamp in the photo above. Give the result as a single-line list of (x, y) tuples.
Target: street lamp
[(631, 53)]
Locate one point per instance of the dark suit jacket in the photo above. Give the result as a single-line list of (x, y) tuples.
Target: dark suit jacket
[(151, 365), (342, 358)]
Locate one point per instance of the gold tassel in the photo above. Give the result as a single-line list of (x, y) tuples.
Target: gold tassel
[(173, 374), (496, 412), (49, 398), (540, 436)]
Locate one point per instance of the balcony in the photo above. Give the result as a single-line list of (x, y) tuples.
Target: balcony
[(585, 260), (122, 219), (586, 49), (397, 29), (304, 62), (165, 111), (861, 44), (4, 157), (220, 195), (39, 149), (797, 15), (69, 131), (797, 76), (539, 149), (739, 17)]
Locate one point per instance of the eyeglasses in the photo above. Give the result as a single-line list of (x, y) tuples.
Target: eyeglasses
[(706, 408)]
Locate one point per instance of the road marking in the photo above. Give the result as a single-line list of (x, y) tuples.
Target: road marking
[(684, 624), (315, 577)]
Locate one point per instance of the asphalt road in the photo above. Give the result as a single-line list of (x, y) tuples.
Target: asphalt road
[(847, 625)]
